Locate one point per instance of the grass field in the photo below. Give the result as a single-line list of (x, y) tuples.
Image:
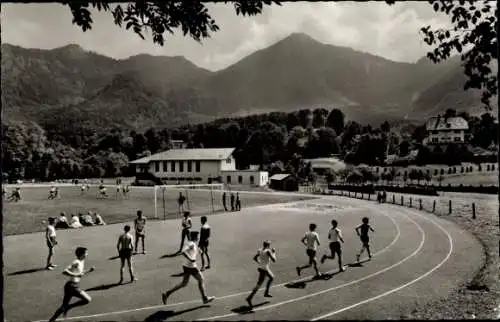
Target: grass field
[(27, 215)]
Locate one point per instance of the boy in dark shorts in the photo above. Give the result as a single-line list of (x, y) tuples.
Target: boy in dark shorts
[(140, 230), (50, 238), (125, 247), (365, 239), (72, 288), (263, 258), (186, 228), (203, 243), (311, 241), (335, 237), (190, 252)]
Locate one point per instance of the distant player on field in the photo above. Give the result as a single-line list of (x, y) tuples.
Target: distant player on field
[(311, 241), (335, 237), (102, 191), (263, 257), (140, 231), (238, 202), (190, 252), (50, 238), (180, 202), (15, 195), (72, 288), (125, 190), (186, 228), (203, 243), (53, 192), (365, 239), (125, 247)]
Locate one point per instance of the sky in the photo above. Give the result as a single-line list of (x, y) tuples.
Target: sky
[(374, 27)]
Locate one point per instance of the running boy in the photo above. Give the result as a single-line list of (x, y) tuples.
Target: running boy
[(140, 231), (186, 228), (263, 257), (311, 241), (365, 239), (50, 238), (203, 243), (190, 252), (335, 237), (72, 288), (125, 247)]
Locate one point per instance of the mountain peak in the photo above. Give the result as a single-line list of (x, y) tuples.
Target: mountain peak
[(299, 37)]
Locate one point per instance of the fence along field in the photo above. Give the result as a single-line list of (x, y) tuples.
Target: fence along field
[(27, 215)]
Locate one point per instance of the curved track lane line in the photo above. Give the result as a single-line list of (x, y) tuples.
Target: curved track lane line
[(332, 288), (450, 240), (396, 238)]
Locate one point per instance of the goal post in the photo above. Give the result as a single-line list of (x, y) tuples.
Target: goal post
[(197, 198)]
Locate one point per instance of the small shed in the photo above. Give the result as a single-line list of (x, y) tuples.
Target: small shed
[(284, 182)]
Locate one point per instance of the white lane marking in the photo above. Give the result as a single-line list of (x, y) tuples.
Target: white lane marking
[(422, 232), (396, 238), (450, 240)]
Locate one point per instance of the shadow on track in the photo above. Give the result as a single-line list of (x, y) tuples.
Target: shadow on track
[(358, 264), (164, 315), (27, 271), (245, 309), (104, 287), (303, 284)]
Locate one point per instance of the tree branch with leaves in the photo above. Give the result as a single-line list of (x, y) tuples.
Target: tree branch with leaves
[(474, 36), (158, 17)]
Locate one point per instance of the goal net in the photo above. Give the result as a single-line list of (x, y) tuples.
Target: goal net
[(172, 200)]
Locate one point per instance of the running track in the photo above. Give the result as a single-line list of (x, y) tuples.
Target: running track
[(418, 258)]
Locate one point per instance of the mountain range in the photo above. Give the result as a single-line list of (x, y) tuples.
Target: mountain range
[(74, 86)]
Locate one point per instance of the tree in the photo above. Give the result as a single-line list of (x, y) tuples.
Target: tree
[(329, 176), (450, 112), (385, 127), (473, 36), (336, 120), (319, 117)]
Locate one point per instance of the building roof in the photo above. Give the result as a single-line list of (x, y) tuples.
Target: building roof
[(439, 123), (280, 176), (188, 154)]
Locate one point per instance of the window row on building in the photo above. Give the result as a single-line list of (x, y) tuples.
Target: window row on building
[(240, 179), (177, 166)]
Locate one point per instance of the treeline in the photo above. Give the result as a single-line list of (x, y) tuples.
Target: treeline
[(277, 141)]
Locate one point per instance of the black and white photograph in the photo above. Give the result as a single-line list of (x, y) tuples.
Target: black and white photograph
[(250, 160)]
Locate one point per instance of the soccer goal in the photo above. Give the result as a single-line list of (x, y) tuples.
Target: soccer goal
[(173, 200)]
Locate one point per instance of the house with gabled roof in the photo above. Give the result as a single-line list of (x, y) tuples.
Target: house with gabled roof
[(443, 131)]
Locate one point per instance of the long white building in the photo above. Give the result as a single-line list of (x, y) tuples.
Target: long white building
[(186, 166)]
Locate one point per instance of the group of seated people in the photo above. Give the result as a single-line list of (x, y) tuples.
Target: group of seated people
[(80, 220)]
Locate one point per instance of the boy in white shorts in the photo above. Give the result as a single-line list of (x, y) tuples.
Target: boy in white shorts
[(190, 268), (263, 257)]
